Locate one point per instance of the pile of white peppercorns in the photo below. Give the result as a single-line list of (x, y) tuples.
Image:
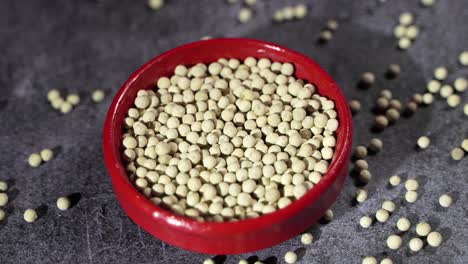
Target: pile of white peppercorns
[(230, 140), (406, 31), (328, 31), (289, 13)]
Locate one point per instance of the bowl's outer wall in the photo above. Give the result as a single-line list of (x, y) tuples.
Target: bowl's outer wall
[(243, 236)]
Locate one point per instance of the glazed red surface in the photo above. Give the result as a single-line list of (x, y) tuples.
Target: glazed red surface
[(229, 237)]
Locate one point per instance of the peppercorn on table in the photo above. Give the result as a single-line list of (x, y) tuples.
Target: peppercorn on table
[(402, 65)]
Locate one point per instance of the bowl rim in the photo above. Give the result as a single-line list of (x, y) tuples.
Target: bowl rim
[(121, 182)]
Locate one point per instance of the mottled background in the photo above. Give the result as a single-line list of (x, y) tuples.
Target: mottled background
[(79, 46)]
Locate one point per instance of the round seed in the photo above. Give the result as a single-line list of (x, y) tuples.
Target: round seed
[(423, 142), (386, 93), (393, 70), (411, 108), (365, 176), (404, 43), (388, 206), (392, 115), (399, 31), (381, 122), (411, 196), (3, 186), (369, 260), (245, 15), (453, 100), (381, 215), (406, 18), (328, 216), (360, 152), (428, 98), (307, 238), (97, 96), (300, 11), (463, 58), (367, 79), (34, 160), (386, 261), (365, 221), (427, 3), (30, 215), (434, 239), (412, 32), (440, 73), (433, 86), (395, 180), (457, 154), (445, 200), (394, 242), (446, 90), (361, 195), (3, 199), (375, 145), (332, 24), (361, 164), (395, 104), (46, 154), (382, 103), (73, 99), (63, 203), (155, 4), (460, 84), (325, 36), (250, 2), (355, 106), (464, 145), (57, 103), (290, 257), (403, 224), (423, 229), (417, 98), (53, 94), (415, 244), (411, 185)]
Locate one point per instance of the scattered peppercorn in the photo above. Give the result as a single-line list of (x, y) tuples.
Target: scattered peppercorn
[(445, 200), (355, 106), (393, 70), (375, 145), (30, 215)]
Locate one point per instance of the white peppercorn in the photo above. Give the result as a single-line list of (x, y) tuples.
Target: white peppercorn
[(365, 221), (403, 224), (394, 242), (434, 239), (415, 244), (445, 200), (30, 215)]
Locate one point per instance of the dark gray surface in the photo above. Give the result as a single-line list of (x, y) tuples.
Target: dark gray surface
[(78, 46)]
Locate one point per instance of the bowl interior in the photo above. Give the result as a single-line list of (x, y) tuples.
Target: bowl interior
[(208, 51)]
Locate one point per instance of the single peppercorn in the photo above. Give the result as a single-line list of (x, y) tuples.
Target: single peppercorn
[(381, 122), (393, 70), (375, 145), (367, 80), (355, 106), (360, 152)]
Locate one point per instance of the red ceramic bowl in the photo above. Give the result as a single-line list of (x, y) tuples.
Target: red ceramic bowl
[(229, 237)]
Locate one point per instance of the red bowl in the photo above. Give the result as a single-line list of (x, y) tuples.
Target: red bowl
[(229, 237)]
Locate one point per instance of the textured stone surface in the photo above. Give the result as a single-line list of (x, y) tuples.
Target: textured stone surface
[(78, 46)]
